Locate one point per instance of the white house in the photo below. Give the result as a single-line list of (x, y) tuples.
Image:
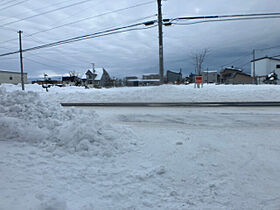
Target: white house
[(265, 66), (12, 77), (99, 77)]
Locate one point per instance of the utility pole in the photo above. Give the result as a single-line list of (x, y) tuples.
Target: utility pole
[(254, 67), (207, 76), (161, 66), (21, 60)]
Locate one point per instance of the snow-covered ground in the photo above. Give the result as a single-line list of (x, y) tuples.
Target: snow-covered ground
[(138, 158), (166, 93)]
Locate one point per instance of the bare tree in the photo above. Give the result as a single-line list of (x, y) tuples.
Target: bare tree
[(198, 59)]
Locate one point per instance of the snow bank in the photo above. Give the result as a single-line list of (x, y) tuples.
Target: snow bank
[(164, 93), (28, 117)]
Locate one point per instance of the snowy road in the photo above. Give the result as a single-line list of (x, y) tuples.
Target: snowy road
[(139, 158), (198, 158), (215, 157)]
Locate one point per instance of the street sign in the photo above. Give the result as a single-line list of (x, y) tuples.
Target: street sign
[(198, 79)]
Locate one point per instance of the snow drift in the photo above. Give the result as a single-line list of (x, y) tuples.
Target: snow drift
[(27, 117)]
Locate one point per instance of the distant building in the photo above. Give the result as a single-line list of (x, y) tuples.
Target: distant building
[(99, 77), (131, 81), (147, 80), (131, 77), (71, 80), (49, 81), (105, 80), (231, 75), (210, 76), (151, 76), (173, 77), (11, 77), (264, 66), (90, 77)]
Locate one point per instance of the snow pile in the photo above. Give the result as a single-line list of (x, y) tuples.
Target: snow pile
[(164, 93), (28, 117)]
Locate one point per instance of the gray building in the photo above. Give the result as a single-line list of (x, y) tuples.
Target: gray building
[(131, 81), (12, 77), (231, 75), (262, 67), (173, 77), (151, 76), (210, 76)]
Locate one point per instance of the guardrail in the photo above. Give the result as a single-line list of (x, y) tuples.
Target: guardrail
[(178, 104)]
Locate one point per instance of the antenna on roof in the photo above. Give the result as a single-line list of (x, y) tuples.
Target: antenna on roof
[(93, 67)]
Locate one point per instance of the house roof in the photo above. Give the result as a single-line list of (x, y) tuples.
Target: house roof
[(99, 72), (89, 72), (266, 57), (6, 71), (150, 74), (236, 73), (213, 71), (143, 80), (174, 72), (232, 68)]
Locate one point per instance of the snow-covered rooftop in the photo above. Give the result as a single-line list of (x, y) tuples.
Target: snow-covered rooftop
[(99, 72), (212, 71)]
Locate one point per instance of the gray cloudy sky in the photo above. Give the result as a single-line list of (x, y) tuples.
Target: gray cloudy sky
[(135, 52)]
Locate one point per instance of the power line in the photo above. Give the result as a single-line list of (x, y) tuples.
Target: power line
[(268, 48), (92, 17), (47, 12), (87, 36), (38, 9), (12, 5), (7, 2), (276, 56), (245, 64), (88, 18), (239, 58), (220, 16), (121, 30), (84, 38), (225, 20)]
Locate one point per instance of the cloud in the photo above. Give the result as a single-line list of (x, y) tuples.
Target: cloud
[(136, 52)]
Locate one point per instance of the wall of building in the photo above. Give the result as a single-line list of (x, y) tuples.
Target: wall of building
[(260, 68), (151, 76), (240, 79), (272, 67), (173, 76), (12, 77), (210, 77), (264, 67)]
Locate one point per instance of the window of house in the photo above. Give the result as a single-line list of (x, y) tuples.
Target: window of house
[(11, 78), (278, 66)]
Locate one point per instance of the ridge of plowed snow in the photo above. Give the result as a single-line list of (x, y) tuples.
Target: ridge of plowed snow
[(27, 117)]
